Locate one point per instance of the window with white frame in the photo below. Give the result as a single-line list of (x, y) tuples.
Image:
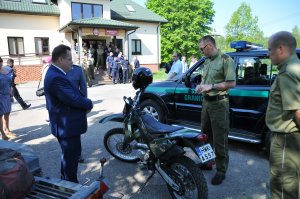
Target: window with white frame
[(84, 11), (15, 45), (136, 47), (41, 45)]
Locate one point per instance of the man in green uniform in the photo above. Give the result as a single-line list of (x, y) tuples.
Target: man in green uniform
[(283, 118), (218, 76)]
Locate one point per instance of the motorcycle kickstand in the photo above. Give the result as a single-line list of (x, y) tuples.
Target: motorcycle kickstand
[(148, 179)]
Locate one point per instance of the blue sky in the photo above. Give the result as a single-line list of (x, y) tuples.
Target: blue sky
[(273, 15)]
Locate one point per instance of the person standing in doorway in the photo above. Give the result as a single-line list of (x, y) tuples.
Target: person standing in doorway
[(218, 78), (125, 69), (67, 108), (109, 61), (283, 118), (90, 61), (100, 52), (115, 70)]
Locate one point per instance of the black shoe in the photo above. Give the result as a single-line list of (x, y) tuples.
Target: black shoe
[(217, 179), (207, 167), (81, 159), (26, 106)]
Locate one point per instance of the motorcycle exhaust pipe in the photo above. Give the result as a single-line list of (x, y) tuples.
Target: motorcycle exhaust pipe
[(140, 146)]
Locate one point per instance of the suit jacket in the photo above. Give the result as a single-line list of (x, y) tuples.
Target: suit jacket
[(77, 76), (67, 107)]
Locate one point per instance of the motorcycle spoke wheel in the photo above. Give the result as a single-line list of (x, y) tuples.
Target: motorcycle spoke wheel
[(190, 179), (114, 144)]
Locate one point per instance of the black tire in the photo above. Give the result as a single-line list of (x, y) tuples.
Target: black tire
[(113, 142), (192, 179), (154, 109)]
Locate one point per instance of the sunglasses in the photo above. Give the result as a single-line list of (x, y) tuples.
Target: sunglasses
[(202, 49)]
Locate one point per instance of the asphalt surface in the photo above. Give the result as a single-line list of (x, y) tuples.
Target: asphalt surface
[(247, 176)]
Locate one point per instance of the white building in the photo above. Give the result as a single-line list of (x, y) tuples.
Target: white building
[(32, 28)]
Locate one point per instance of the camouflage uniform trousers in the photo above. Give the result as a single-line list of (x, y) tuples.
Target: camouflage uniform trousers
[(215, 123), (87, 76), (285, 166)]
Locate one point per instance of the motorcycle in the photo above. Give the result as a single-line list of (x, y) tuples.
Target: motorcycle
[(159, 147)]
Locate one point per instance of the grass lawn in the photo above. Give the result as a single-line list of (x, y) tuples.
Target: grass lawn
[(159, 75)]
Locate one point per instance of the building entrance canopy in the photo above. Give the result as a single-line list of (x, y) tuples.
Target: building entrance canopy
[(95, 28), (97, 23)]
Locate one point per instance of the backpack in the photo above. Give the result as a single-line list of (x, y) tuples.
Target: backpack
[(15, 179)]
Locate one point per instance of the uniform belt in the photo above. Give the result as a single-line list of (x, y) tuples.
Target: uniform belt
[(215, 98)]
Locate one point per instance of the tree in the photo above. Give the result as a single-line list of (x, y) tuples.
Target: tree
[(223, 44), (188, 20), (244, 26), (296, 33)]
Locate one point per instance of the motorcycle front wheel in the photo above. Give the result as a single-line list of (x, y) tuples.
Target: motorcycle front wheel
[(189, 177), (114, 144)]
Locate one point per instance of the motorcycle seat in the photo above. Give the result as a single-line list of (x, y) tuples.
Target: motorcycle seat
[(155, 127)]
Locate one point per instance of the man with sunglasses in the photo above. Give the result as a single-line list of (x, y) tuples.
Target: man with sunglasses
[(218, 77)]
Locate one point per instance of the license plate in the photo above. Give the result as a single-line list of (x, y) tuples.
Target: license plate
[(205, 153)]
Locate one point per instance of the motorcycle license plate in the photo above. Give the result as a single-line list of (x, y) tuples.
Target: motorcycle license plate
[(205, 153)]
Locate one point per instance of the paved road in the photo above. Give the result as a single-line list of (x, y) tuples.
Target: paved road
[(246, 179)]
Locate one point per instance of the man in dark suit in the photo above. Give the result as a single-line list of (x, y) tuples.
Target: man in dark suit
[(67, 108)]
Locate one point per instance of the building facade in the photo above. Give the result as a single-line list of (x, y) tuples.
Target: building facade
[(30, 29)]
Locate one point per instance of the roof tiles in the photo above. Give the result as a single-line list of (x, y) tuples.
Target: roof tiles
[(26, 6)]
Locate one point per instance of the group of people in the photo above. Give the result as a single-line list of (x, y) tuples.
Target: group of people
[(118, 68), (282, 117), (108, 58), (8, 91), (177, 68), (68, 105)]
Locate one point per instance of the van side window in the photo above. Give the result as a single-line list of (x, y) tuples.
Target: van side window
[(253, 71)]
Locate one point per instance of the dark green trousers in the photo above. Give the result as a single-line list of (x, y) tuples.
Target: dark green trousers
[(285, 166), (215, 123)]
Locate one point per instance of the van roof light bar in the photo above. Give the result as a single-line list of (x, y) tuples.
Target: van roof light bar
[(244, 45)]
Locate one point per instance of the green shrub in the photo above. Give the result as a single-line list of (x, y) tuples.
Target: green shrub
[(159, 75)]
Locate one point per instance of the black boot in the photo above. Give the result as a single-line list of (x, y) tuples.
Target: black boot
[(26, 106)]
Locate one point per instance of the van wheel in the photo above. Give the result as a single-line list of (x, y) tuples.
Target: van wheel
[(152, 108)]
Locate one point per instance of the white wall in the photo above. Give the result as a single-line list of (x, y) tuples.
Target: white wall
[(147, 33), (28, 27), (66, 11)]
